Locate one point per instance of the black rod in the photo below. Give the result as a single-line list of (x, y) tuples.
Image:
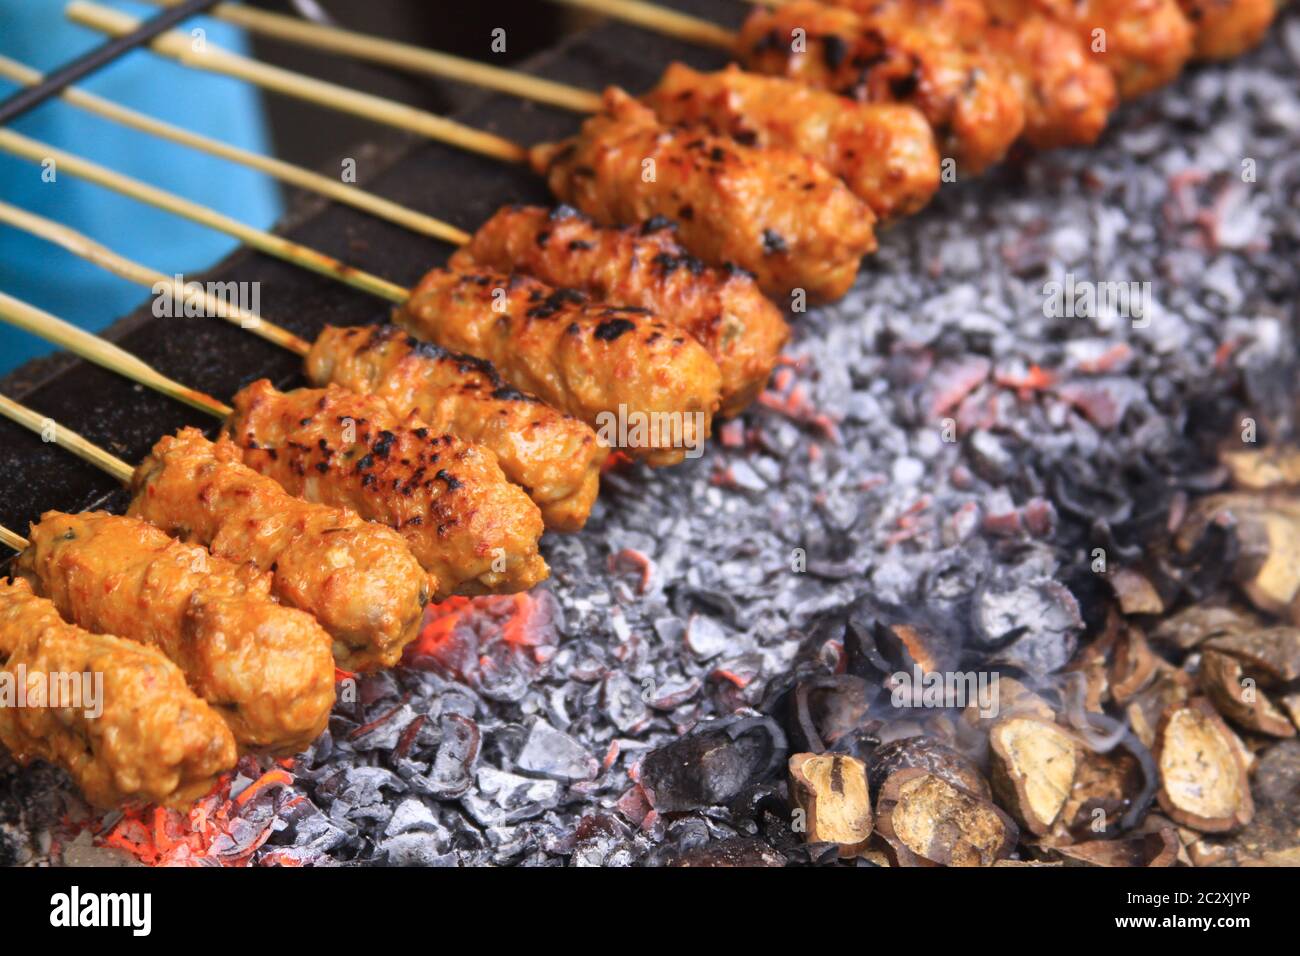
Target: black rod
[(55, 83)]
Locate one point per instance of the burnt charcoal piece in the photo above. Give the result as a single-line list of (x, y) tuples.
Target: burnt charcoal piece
[(1033, 626), (713, 764), (825, 709), (929, 755), (452, 772), (881, 639), (731, 852)]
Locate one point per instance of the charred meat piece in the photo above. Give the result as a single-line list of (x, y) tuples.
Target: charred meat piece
[(358, 578), (610, 366), (723, 309), (885, 152), (146, 737), (1228, 28), (554, 457), (778, 214), (964, 91), (469, 527), (264, 667)]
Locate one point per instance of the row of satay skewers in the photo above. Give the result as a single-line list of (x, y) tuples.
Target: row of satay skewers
[(429, 455)]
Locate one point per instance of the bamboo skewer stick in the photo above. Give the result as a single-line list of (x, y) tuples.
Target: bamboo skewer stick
[(211, 58), (79, 445), (12, 539), (259, 239), (79, 244), (671, 23), (285, 172), (82, 245), (94, 349), (404, 56)]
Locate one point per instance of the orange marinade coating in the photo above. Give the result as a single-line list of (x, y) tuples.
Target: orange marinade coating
[(973, 105), (775, 213), (1228, 28), (266, 668), (1144, 43), (606, 365), (884, 152), (554, 457), (722, 309), (1068, 94), (358, 578), (152, 739), (469, 527)]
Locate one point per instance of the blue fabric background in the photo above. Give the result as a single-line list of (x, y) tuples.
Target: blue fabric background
[(35, 33)]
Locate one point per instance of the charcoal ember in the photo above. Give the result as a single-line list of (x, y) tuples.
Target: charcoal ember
[(930, 755), (1203, 782), (744, 852), (823, 709), (1155, 850), (705, 637), (416, 848), (502, 798), (623, 703), (1238, 698), (452, 771), (412, 814), (1033, 626), (926, 821), (831, 793), (712, 764), (882, 639), (550, 753), (361, 793)]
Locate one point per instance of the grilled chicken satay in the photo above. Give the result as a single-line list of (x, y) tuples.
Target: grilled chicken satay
[(1144, 43), (722, 309), (469, 527), (963, 90), (885, 152), (778, 214), (645, 386), (1228, 28), (554, 457), (264, 667), (148, 736), (1068, 94), (358, 578)]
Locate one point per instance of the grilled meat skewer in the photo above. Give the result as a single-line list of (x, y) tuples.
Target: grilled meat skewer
[(153, 739), (265, 668), (775, 213), (358, 578), (1228, 28), (642, 266), (964, 91), (554, 457), (473, 530), (884, 152), (609, 366)]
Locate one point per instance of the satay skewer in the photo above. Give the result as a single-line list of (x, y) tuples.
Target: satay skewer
[(13, 540), (358, 579), (481, 531), (776, 213)]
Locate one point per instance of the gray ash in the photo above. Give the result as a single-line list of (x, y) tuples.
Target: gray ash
[(520, 734)]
